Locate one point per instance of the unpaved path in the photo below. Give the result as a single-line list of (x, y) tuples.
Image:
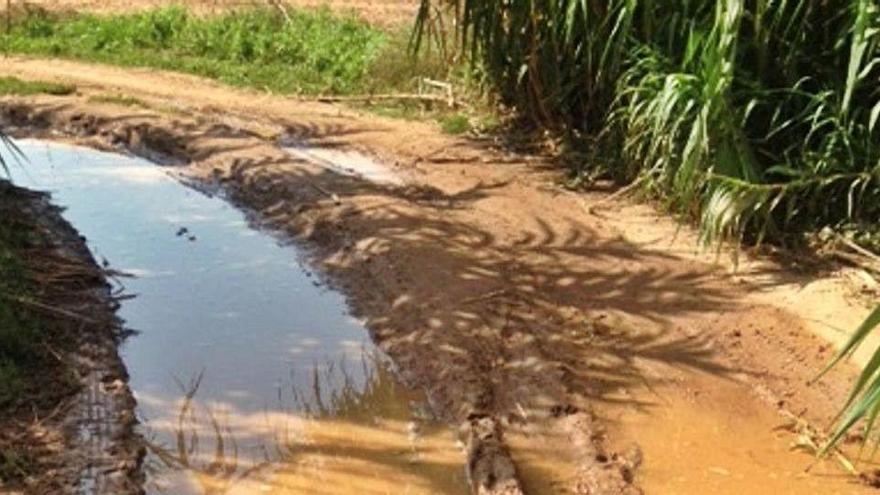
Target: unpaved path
[(583, 344)]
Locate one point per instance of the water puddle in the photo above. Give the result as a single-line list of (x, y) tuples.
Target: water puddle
[(250, 376), (348, 163), (713, 436)]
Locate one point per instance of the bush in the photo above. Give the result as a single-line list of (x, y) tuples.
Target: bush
[(757, 118)]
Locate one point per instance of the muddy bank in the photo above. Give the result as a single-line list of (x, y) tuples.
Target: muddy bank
[(82, 441), (533, 327)]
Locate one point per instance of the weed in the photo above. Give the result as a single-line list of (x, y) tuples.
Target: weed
[(122, 100), (14, 86), (456, 123)]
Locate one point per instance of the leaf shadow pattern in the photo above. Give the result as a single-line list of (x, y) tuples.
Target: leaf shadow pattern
[(489, 324)]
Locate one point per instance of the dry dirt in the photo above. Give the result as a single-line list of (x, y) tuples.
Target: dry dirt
[(591, 353)]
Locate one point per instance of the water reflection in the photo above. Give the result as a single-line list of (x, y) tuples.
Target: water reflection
[(245, 369), (335, 435)]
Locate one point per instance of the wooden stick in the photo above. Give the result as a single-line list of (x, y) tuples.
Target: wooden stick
[(280, 6), (859, 249), (49, 309), (368, 98), (590, 208)]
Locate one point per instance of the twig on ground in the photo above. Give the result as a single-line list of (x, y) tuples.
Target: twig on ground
[(50, 309), (484, 297), (278, 4), (859, 249), (591, 208), (381, 97), (327, 193), (809, 439)]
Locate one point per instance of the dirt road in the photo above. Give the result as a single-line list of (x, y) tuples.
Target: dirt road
[(598, 352)]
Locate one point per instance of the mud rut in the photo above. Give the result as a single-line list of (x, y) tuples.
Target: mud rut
[(540, 331)]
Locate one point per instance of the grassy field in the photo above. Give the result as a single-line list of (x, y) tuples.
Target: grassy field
[(316, 52)]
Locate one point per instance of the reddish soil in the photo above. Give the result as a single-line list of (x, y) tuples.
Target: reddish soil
[(523, 316)]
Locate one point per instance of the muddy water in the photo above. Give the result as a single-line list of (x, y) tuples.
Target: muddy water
[(703, 434), (250, 376)]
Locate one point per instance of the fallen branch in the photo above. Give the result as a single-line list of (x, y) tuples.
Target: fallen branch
[(49, 309), (485, 297), (868, 266), (591, 208), (327, 193), (859, 249), (380, 97), (809, 439), (280, 6)]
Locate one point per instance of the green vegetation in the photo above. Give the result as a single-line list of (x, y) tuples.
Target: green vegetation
[(456, 123), (316, 52), (863, 403), (32, 378), (19, 336), (122, 100), (17, 87), (755, 119)]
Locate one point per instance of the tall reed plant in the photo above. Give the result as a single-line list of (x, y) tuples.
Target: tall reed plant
[(756, 118)]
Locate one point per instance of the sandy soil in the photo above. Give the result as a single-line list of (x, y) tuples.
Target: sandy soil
[(565, 345)]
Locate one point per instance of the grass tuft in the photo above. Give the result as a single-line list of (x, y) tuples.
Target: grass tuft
[(455, 124), (18, 87), (121, 100)]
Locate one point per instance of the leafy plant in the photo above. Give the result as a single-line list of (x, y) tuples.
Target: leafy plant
[(757, 119), (863, 403), (15, 86), (455, 124)]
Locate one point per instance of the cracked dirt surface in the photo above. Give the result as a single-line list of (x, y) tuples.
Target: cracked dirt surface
[(576, 352)]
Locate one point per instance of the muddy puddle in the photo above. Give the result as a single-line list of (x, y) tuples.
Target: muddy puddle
[(701, 434), (250, 375)]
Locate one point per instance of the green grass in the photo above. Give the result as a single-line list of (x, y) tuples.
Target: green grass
[(14, 464), (316, 52), (17, 87), (121, 100), (455, 124)]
